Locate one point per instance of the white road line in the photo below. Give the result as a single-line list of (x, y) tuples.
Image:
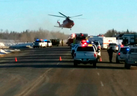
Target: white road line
[(98, 74), (47, 71), (58, 63), (34, 84), (101, 83)]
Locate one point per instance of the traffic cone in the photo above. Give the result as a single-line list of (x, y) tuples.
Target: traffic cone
[(60, 59), (100, 59), (15, 59)]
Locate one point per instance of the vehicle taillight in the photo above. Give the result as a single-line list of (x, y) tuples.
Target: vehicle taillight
[(74, 54), (119, 53), (83, 41), (116, 46), (98, 47), (83, 45), (122, 45), (94, 54)]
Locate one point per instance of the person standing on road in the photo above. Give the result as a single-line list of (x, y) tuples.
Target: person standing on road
[(110, 53)]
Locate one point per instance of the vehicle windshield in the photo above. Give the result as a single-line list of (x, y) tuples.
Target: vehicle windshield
[(124, 50), (133, 51), (38, 41), (47, 41), (85, 49), (96, 43), (112, 44)]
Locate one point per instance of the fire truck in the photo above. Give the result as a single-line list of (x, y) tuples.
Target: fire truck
[(76, 38)]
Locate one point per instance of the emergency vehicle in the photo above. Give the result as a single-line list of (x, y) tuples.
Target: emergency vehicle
[(104, 41), (131, 57), (39, 43), (76, 38), (85, 53)]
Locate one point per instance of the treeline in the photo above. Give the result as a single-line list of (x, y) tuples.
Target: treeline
[(30, 35), (111, 33)]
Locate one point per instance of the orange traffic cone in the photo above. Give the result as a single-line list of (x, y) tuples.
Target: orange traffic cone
[(15, 59), (100, 59), (60, 59)]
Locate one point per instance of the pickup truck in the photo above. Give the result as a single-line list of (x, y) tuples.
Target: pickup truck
[(85, 54)]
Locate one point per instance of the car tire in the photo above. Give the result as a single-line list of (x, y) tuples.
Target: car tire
[(127, 66), (117, 61), (94, 64), (97, 60), (72, 56), (75, 63)]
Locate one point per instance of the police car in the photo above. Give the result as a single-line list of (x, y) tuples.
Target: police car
[(122, 53), (85, 53), (39, 43), (49, 43), (131, 58), (94, 45)]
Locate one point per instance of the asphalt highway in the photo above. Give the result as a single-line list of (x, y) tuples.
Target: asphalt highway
[(38, 72)]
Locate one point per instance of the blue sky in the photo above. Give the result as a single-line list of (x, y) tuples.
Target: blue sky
[(99, 15)]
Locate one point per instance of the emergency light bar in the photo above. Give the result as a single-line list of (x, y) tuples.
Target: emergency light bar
[(90, 45), (37, 40), (45, 40), (127, 49)]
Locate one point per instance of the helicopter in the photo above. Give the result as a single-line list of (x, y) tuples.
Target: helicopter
[(67, 23)]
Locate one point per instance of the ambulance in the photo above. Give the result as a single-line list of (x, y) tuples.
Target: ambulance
[(104, 41)]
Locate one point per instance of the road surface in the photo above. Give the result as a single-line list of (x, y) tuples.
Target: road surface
[(38, 72)]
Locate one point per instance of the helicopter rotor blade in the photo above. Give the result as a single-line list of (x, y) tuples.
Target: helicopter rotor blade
[(76, 16), (56, 16), (63, 14)]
